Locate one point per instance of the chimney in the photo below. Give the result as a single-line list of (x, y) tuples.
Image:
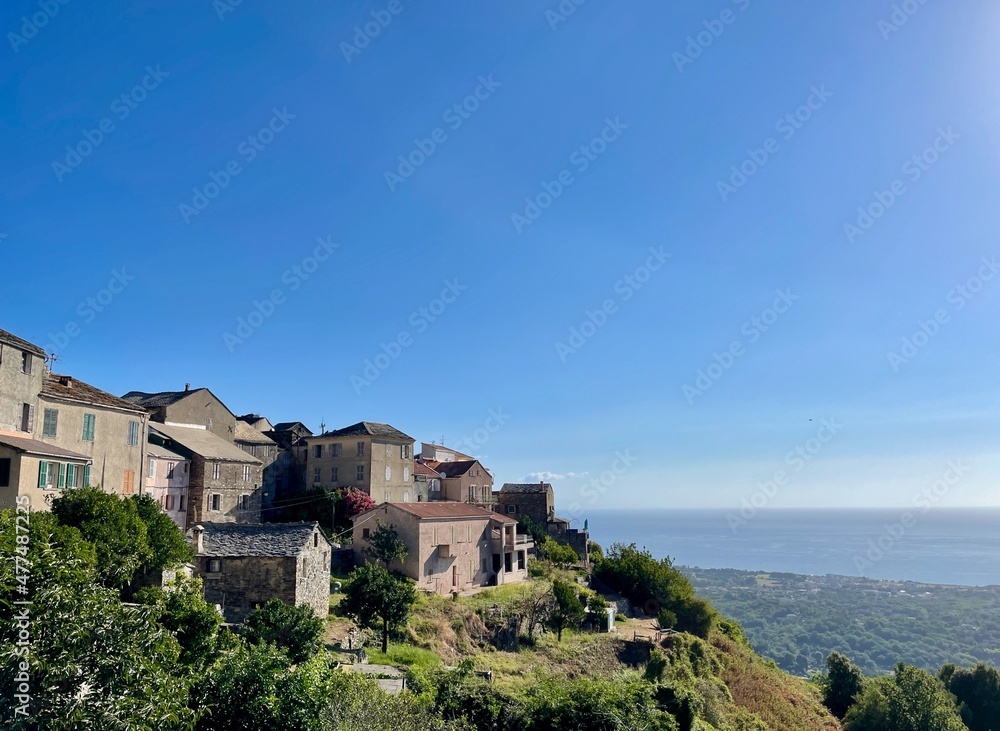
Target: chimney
[(199, 539), (187, 386), (66, 381)]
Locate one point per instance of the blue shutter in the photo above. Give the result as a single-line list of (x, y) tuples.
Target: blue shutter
[(62, 475)]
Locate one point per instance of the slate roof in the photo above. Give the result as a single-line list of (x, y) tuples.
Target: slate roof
[(523, 488), (25, 445), (204, 443), (160, 452), (289, 425), (370, 429), (246, 433), (68, 388), (157, 400), (20, 343), (454, 469), (269, 539)]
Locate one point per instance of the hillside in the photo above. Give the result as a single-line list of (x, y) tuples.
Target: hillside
[(799, 620)]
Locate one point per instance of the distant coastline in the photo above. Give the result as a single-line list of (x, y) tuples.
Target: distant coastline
[(943, 546)]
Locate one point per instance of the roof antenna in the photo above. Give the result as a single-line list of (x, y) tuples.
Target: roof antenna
[(322, 427)]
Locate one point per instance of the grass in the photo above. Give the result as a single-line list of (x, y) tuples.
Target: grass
[(407, 655)]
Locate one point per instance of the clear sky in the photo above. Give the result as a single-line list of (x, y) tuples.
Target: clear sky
[(172, 167)]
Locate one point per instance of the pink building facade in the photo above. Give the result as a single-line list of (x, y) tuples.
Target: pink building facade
[(166, 480)]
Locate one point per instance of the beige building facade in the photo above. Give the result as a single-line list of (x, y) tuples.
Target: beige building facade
[(373, 457)]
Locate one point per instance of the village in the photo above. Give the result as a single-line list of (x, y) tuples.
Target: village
[(229, 483)]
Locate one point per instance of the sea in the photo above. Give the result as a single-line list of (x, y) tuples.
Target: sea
[(939, 546)]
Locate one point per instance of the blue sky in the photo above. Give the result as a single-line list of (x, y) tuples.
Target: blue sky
[(589, 174)]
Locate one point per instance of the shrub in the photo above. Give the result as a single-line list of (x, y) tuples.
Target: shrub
[(296, 630)]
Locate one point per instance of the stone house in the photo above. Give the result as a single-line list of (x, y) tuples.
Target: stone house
[(224, 485), (450, 546), (110, 431), (245, 566), (535, 500), (167, 482), (199, 407), (258, 422), (373, 457), (261, 446)]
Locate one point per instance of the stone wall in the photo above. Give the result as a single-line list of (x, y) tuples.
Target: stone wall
[(247, 582), (229, 486), (312, 586)]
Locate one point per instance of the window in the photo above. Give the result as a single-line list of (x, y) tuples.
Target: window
[(406, 474), (208, 425), (26, 363), (128, 483), (244, 502), (88, 427), (27, 418), (50, 422), (366, 533), (44, 474), (361, 473), (133, 433), (180, 503), (318, 450), (334, 473), (406, 451), (406, 497), (186, 468), (246, 473), (5, 472), (315, 540), (72, 474), (152, 468), (317, 475), (170, 502), (511, 509), (361, 449), (214, 565), (216, 470), (335, 450), (216, 501), (388, 497), (388, 473), (170, 470), (86, 475), (520, 560), (388, 451)]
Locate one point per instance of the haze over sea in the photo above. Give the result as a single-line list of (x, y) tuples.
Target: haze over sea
[(943, 546)]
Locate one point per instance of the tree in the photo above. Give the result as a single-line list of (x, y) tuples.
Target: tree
[(183, 611), (375, 597), (533, 607), (568, 611), (385, 545), (167, 544), (842, 684), (356, 501), (978, 692), (665, 619), (558, 553), (909, 700), (296, 630)]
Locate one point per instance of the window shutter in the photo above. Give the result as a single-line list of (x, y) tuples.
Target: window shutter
[(43, 473), (86, 476), (62, 475), (31, 419)]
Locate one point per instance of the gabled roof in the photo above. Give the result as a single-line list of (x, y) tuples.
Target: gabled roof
[(160, 452), (525, 487), (290, 425), (11, 339), (445, 510), (246, 433), (153, 401), (370, 429), (67, 388), (268, 539), (419, 468), (25, 445), (455, 469), (204, 443)]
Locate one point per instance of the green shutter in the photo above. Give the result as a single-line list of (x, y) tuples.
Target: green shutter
[(88, 427), (62, 475), (71, 475), (86, 476), (43, 473)]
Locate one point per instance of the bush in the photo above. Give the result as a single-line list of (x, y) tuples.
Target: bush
[(296, 630)]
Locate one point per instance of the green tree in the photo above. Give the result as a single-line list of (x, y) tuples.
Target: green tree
[(375, 597), (909, 700), (665, 619), (385, 545), (842, 685), (978, 692), (568, 610), (183, 611), (296, 630), (167, 545), (558, 553)]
